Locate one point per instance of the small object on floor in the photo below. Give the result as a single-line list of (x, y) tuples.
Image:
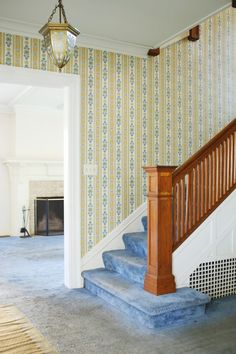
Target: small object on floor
[(26, 233), (24, 230), (18, 335)]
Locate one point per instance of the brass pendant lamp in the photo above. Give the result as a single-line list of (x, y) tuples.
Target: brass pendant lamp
[(59, 38)]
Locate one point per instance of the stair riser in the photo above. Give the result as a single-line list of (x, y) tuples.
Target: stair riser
[(138, 247), (174, 317), (144, 222), (129, 271)]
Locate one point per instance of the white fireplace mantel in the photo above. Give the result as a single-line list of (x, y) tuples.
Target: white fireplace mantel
[(21, 172)]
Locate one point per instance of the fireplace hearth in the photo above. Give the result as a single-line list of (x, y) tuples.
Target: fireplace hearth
[(49, 216)]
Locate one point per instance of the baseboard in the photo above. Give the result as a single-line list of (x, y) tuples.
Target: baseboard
[(93, 259)]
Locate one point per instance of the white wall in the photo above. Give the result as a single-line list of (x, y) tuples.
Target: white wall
[(29, 134), (6, 138), (39, 133)]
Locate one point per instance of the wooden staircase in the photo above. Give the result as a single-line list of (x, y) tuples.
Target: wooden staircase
[(180, 199)]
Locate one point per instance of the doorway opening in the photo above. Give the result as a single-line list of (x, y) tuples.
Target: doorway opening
[(51, 169)]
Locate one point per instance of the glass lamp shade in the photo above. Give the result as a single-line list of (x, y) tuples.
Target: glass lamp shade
[(60, 40)]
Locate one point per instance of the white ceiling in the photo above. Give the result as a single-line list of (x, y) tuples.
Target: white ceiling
[(113, 24), (27, 96)]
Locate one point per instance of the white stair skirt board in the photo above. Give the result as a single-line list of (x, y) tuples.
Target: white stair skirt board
[(72, 203), (214, 240), (133, 223)]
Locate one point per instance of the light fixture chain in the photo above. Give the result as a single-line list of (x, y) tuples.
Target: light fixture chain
[(63, 11), (53, 13), (61, 7)]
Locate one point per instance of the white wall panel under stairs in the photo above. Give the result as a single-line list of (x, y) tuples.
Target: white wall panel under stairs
[(214, 240)]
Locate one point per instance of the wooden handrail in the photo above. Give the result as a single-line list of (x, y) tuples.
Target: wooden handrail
[(180, 199), (208, 146)]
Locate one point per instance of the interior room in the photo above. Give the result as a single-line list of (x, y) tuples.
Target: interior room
[(32, 146)]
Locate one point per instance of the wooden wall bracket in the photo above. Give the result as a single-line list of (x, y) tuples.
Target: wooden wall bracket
[(234, 3), (194, 34), (159, 279), (153, 52)]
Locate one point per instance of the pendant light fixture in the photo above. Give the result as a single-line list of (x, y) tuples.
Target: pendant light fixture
[(59, 38)]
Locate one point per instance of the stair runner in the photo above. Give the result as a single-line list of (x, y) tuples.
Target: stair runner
[(121, 284)]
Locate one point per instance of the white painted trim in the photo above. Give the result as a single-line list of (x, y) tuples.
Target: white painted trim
[(84, 40), (71, 84), (35, 108), (9, 109), (110, 45), (175, 39), (21, 28), (72, 189), (93, 259), (32, 162), (20, 95), (179, 35)]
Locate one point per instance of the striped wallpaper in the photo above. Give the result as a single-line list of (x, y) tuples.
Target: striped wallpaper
[(138, 112)]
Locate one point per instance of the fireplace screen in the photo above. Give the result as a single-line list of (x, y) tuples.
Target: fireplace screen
[(49, 216)]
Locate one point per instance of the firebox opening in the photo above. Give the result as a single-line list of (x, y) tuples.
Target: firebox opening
[(49, 216)]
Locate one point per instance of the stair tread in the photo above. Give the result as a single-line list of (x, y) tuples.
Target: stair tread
[(135, 296), (142, 235), (127, 257)]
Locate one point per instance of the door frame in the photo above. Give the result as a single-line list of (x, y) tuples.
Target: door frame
[(72, 162)]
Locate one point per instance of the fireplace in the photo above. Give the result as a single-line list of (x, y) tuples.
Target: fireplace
[(49, 216)]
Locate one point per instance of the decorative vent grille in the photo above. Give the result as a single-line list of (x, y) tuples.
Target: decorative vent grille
[(217, 278)]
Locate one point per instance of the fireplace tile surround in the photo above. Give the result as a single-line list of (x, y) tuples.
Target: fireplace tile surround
[(42, 189)]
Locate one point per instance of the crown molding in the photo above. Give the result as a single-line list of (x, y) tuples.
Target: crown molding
[(36, 108), (110, 45), (84, 40), (12, 109), (184, 32)]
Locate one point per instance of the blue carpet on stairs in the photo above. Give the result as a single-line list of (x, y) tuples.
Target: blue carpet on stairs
[(136, 243), (121, 284), (126, 263)]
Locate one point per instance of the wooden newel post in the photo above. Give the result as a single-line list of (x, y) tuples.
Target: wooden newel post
[(159, 278)]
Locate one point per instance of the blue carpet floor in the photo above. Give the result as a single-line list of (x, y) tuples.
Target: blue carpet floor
[(77, 322)]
